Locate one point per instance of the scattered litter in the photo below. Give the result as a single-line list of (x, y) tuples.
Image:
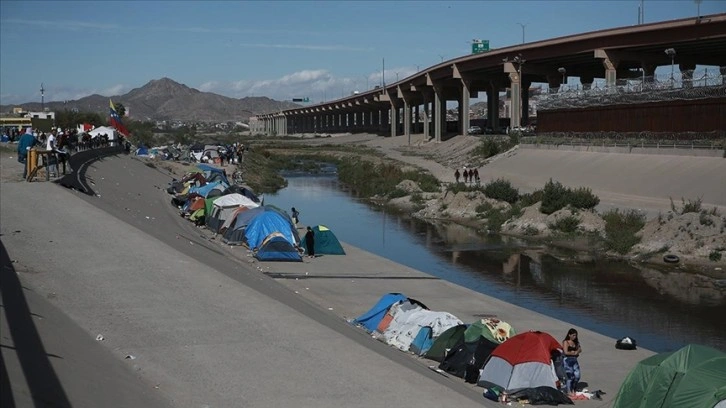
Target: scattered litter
[(307, 288), (147, 217), (297, 292), (330, 308), (191, 243), (15, 261), (130, 357), (99, 337)]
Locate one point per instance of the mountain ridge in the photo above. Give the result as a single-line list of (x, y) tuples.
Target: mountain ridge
[(166, 99)]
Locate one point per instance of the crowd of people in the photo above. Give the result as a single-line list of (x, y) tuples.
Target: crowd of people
[(59, 142)]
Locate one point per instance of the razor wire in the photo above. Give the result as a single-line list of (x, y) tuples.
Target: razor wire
[(646, 89)]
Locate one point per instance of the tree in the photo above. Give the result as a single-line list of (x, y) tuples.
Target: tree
[(120, 109)]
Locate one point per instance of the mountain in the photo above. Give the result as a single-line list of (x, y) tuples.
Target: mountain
[(165, 99)]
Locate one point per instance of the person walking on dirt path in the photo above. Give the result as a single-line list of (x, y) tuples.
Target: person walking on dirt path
[(456, 175)]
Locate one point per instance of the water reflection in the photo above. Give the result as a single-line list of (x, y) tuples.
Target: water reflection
[(662, 310)]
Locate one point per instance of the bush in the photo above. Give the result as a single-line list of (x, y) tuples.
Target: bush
[(566, 224), (397, 193), (501, 190), (583, 198), (620, 229), (483, 208), (690, 206), (525, 200), (555, 197), (714, 256), (487, 148)]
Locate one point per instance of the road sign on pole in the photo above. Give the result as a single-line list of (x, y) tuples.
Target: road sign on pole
[(479, 46), (306, 99)]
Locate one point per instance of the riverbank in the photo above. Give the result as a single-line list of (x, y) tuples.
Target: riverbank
[(208, 325)]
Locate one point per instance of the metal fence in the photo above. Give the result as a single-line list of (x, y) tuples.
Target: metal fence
[(687, 85)]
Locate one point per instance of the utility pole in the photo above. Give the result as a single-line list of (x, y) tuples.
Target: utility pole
[(383, 74), (698, 8), (42, 98), (523, 25)]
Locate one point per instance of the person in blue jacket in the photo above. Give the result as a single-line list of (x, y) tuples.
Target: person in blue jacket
[(26, 142)]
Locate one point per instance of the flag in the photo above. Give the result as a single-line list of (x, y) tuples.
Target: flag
[(115, 120)]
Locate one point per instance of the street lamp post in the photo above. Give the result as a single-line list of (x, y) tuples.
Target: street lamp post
[(522, 25), (562, 71), (671, 52), (520, 106), (42, 98), (396, 76)]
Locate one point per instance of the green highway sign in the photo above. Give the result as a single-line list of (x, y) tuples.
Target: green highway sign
[(301, 99), (479, 46)]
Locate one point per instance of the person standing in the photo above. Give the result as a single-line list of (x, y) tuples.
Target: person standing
[(457, 175), (476, 176), (466, 175), (310, 242), (295, 216), (572, 349), (26, 142)]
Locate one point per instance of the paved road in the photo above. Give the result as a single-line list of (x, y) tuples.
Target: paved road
[(207, 326)]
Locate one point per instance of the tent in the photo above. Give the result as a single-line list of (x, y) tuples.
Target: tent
[(275, 247), (523, 361), (223, 207), (325, 241), (694, 376), (104, 130), (476, 345), (372, 318), (446, 341), (408, 318), (235, 188), (235, 233), (265, 224)]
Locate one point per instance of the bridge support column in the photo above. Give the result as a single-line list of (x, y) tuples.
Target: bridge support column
[(439, 112), (687, 74), (525, 102), (586, 81), (427, 116), (610, 63), (464, 103), (493, 106), (516, 100)]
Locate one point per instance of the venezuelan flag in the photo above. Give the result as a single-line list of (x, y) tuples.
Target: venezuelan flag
[(115, 120)]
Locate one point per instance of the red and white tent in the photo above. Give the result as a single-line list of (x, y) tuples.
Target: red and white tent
[(523, 361)]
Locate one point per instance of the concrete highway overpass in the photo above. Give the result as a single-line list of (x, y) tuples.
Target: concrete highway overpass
[(608, 54)]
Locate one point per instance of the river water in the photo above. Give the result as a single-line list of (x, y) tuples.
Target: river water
[(662, 310)]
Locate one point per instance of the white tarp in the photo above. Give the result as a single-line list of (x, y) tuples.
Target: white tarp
[(407, 321), (111, 132), (235, 200)]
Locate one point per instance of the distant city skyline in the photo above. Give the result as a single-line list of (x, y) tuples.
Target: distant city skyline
[(282, 50)]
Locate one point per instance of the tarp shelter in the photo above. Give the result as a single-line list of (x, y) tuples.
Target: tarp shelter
[(223, 207), (235, 188), (372, 318), (326, 243), (275, 247), (694, 376), (104, 130), (523, 361), (265, 224), (408, 319), (212, 173)]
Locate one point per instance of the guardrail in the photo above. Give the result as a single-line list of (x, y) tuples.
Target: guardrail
[(79, 163)]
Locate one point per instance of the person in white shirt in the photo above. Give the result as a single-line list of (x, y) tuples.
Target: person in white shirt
[(52, 159)]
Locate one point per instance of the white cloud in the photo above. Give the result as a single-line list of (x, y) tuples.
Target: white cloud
[(63, 24)]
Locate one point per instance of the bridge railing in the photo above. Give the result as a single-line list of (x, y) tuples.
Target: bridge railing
[(686, 85)]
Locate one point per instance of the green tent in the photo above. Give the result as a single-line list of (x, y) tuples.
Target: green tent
[(491, 329), (694, 376), (325, 241), (446, 340)]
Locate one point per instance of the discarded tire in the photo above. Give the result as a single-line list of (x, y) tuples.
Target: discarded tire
[(671, 258)]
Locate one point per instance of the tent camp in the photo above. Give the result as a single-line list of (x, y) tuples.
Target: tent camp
[(325, 241), (275, 247), (694, 376), (104, 130), (523, 361), (235, 233)]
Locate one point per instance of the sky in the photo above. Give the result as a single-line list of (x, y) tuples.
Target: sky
[(321, 50)]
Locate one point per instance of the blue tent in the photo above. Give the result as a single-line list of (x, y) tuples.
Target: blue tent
[(373, 317), (205, 189), (213, 173), (235, 234), (261, 226), (276, 248)]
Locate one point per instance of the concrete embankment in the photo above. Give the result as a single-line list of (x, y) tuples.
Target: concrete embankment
[(207, 326)]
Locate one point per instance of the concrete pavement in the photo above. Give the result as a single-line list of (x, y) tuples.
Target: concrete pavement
[(208, 326)]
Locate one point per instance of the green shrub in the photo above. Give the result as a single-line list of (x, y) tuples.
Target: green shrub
[(501, 190), (555, 197), (705, 219), (714, 256), (690, 206), (397, 193), (417, 198), (495, 219), (566, 224), (525, 200), (487, 148), (461, 187), (620, 229), (483, 208), (583, 198)]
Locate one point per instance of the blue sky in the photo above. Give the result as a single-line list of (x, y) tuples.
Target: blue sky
[(282, 50)]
